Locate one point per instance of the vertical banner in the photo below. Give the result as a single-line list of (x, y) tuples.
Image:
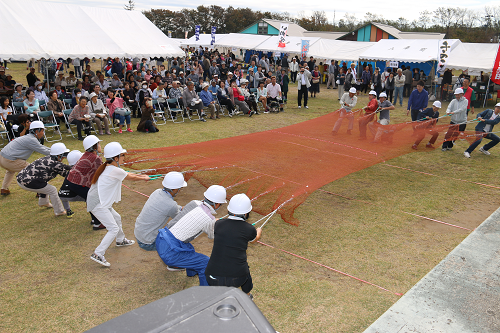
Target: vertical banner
[(170, 34), (304, 48), (495, 73), (443, 54), (214, 29), (282, 35), (197, 32)]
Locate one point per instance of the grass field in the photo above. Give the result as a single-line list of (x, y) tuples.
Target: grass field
[(48, 283)]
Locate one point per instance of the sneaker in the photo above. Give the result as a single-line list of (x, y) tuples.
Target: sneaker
[(430, 146), (444, 149), (251, 113), (266, 111), (250, 295), (298, 107), (5, 192), (125, 242), (484, 151), (203, 119), (70, 213), (101, 133), (230, 114), (203, 115), (120, 131), (100, 260), (49, 205), (99, 226), (414, 147), (129, 130), (61, 214), (466, 154), (281, 110), (175, 269), (306, 107)]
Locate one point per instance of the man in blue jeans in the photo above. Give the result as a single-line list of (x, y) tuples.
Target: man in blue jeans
[(487, 120), (399, 84)]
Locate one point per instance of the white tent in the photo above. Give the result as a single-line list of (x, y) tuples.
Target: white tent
[(204, 40), (405, 50), (241, 41), (338, 49), (292, 44), (473, 57), (35, 29)]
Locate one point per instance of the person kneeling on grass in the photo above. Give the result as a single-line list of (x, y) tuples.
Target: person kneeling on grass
[(487, 120), (147, 112), (228, 262), (157, 210), (104, 192), (65, 193), (174, 242), (429, 116), (35, 177)]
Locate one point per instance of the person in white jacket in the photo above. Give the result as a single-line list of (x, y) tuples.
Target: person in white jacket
[(347, 102), (294, 68), (304, 82), (457, 109)]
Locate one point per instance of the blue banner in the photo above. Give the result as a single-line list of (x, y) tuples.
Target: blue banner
[(197, 32), (304, 48), (213, 35)]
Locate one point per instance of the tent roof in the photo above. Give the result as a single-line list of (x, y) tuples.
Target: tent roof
[(292, 44), (407, 50), (35, 27), (205, 40), (474, 57), (338, 49), (241, 41)]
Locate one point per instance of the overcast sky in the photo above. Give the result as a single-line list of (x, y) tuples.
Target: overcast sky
[(388, 9)]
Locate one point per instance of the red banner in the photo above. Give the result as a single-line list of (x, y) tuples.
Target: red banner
[(495, 73)]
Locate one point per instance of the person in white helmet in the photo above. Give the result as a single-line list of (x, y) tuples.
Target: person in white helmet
[(80, 176), (104, 192), (228, 262), (14, 155), (157, 210), (457, 109), (428, 117), (35, 177), (173, 243), (65, 193), (347, 103), (369, 115)]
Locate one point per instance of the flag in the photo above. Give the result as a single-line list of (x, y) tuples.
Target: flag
[(443, 53), (304, 48), (282, 35), (197, 32), (213, 35), (495, 73)]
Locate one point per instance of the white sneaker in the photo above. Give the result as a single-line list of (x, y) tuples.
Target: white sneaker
[(100, 260), (306, 107), (175, 269), (125, 242), (299, 107), (466, 154), (485, 152)]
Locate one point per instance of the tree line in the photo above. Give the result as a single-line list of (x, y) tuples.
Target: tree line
[(479, 26)]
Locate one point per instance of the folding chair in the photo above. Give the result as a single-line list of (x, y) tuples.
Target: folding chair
[(67, 102), (4, 133), (41, 103), (159, 113), (66, 113), (18, 107), (48, 119), (177, 110)]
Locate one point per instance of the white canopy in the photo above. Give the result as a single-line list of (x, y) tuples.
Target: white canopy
[(338, 49), (204, 40), (241, 41), (34, 29), (405, 50), (473, 57), (292, 44)]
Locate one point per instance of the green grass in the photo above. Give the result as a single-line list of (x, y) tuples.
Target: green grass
[(48, 283)]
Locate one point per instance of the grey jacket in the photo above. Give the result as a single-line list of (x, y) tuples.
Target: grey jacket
[(22, 148)]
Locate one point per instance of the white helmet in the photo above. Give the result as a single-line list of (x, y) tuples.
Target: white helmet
[(58, 149), (239, 204), (36, 125), (437, 104), (216, 194), (113, 149), (459, 91), (383, 94), (174, 180), (373, 92), (352, 90), (90, 141), (74, 156)]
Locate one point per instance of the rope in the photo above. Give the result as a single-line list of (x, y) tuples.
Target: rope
[(330, 268)]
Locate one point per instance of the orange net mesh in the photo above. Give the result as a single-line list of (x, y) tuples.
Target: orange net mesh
[(274, 166)]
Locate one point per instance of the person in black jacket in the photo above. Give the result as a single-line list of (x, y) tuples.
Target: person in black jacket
[(428, 119), (487, 120)]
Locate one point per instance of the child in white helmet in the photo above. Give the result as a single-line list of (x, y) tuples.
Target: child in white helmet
[(35, 177), (104, 192), (228, 262), (173, 243), (65, 193)]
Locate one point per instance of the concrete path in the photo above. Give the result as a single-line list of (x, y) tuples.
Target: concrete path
[(460, 295)]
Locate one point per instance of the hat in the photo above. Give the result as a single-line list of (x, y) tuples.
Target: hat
[(383, 94), (144, 82), (459, 91), (352, 90), (181, 72), (204, 85), (115, 74), (92, 95), (243, 81), (438, 104), (373, 92), (37, 83), (216, 75), (18, 84), (60, 73), (9, 75), (2, 69), (135, 70), (229, 73)]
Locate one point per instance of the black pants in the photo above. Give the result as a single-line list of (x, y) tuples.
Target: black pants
[(407, 90), (228, 103), (252, 104), (293, 76), (79, 125), (149, 126), (82, 191), (390, 94), (364, 87), (302, 92), (414, 114), (245, 282), (452, 134)]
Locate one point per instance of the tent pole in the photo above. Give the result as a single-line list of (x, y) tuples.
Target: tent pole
[(487, 90)]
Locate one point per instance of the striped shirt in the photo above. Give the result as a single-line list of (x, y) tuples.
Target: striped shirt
[(197, 221)]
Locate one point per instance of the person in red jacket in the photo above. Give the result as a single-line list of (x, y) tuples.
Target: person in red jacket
[(369, 115)]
